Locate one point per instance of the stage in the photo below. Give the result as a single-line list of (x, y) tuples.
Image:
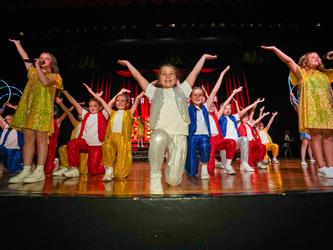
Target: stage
[(285, 206)]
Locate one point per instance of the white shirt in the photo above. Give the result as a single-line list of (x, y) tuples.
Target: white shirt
[(201, 125), (263, 136), (11, 142), (118, 121), (90, 133), (232, 132), (213, 128), (249, 132), (170, 118)]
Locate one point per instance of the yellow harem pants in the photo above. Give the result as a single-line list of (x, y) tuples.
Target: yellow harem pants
[(274, 148), (117, 153)]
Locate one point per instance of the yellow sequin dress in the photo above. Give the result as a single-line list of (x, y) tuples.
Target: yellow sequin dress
[(36, 106), (316, 99)]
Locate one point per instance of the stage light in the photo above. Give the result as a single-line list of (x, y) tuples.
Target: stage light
[(173, 25), (21, 33), (318, 25)]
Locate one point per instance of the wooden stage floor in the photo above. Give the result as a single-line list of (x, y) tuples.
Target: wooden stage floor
[(287, 177)]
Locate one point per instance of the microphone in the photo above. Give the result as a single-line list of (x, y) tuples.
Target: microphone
[(33, 61)]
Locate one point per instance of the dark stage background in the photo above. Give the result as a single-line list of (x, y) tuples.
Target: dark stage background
[(88, 37)]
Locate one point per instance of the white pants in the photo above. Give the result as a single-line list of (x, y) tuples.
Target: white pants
[(176, 145), (242, 143)]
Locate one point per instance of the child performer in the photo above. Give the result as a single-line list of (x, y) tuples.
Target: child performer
[(117, 148), (267, 140), (257, 150), (169, 120), (11, 143), (34, 113), (228, 125), (217, 142), (316, 104), (63, 159), (90, 138)]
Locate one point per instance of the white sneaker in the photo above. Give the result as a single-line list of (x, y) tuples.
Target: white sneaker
[(204, 172), (325, 172), (156, 186), (312, 160), (36, 176), (72, 172), (304, 164), (275, 161), (108, 174), (60, 171), (20, 177), (229, 170), (246, 167), (262, 165)]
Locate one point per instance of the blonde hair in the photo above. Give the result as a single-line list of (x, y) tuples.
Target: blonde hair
[(55, 67), (304, 62)]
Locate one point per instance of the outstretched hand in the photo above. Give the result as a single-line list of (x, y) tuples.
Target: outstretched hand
[(240, 89), (226, 69), (268, 47), (14, 41), (210, 57), (123, 62), (274, 113)]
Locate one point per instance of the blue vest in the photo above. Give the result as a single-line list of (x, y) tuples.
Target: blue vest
[(20, 140), (193, 117), (223, 124)]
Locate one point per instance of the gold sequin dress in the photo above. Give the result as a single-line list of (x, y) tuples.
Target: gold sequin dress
[(36, 107), (316, 99)]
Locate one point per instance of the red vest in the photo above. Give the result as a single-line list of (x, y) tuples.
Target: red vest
[(101, 125), (242, 131)]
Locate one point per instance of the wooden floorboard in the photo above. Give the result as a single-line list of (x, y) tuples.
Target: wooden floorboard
[(289, 176)]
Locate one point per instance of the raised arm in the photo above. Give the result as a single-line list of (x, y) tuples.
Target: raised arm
[(234, 92), (271, 121), (41, 75), (22, 52), (135, 73), (68, 111), (253, 110), (71, 99), (191, 78), (136, 102), (286, 59), (216, 88), (99, 98), (260, 118), (236, 104), (243, 111), (113, 100)]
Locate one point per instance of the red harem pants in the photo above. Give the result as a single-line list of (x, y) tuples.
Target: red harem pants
[(217, 143), (76, 146)]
